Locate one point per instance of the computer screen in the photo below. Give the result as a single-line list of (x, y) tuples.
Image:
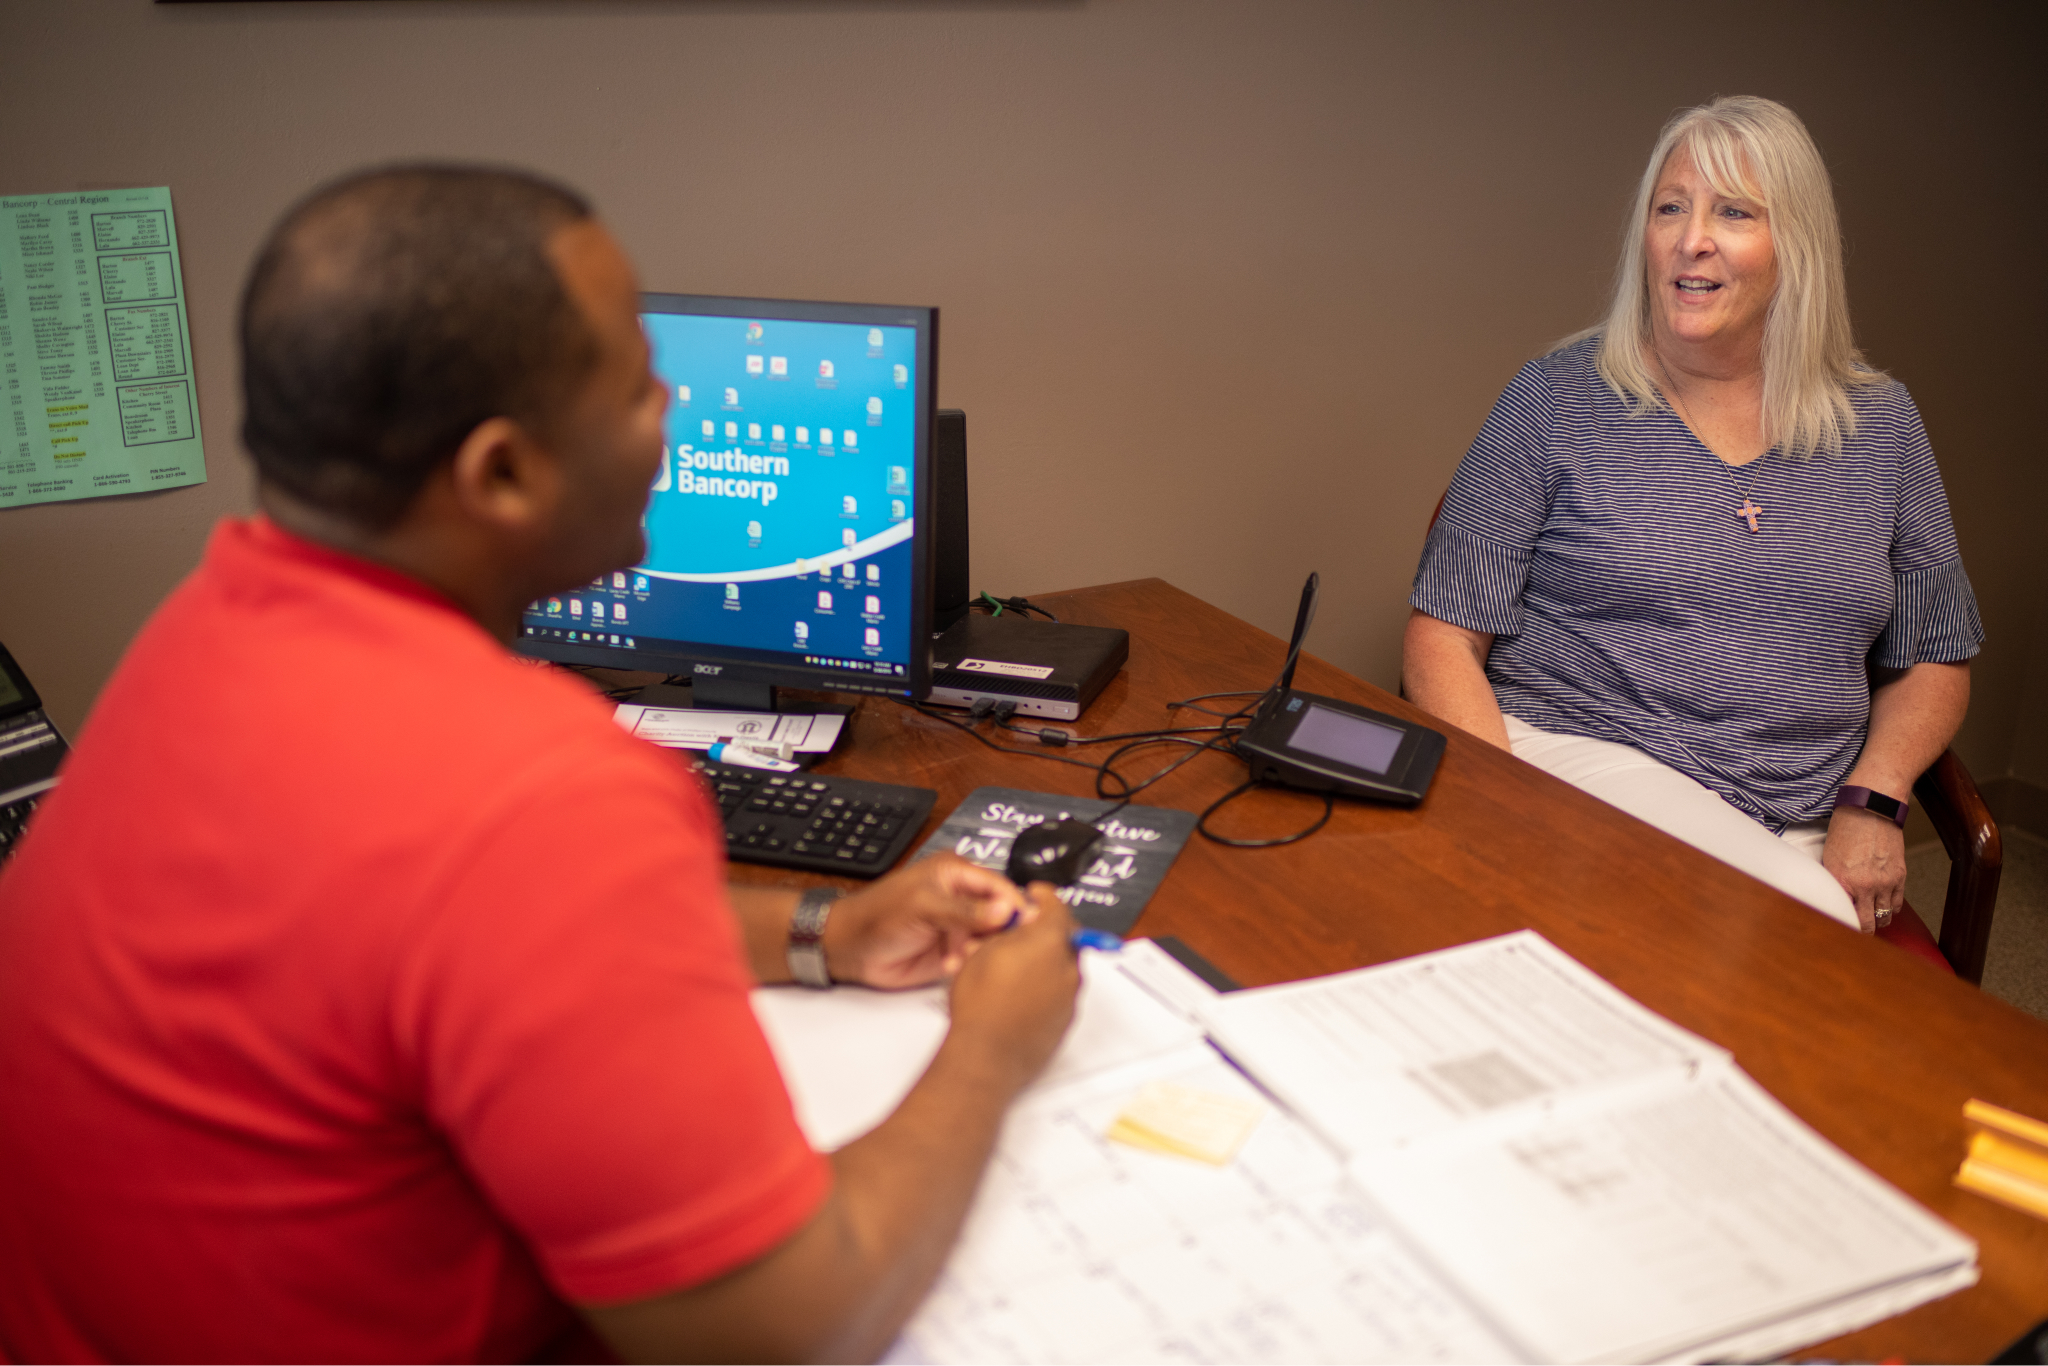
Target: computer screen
[(788, 534)]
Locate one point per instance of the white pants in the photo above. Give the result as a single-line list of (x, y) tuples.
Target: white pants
[(1659, 794)]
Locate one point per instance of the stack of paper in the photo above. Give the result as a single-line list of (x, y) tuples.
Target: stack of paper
[(1485, 1154)]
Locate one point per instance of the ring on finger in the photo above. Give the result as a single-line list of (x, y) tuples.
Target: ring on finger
[(1884, 916)]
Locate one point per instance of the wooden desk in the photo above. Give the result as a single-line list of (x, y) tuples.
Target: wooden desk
[(1873, 1048)]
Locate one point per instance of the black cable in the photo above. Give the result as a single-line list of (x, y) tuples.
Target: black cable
[(1202, 821), (924, 710), (1060, 739), (1020, 606)]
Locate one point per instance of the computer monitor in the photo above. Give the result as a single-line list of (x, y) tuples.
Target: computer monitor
[(789, 534)]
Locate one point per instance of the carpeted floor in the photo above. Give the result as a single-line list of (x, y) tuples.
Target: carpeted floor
[(2016, 968)]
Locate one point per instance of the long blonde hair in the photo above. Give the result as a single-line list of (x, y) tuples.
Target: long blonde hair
[(1753, 148)]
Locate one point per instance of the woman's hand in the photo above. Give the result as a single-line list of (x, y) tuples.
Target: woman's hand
[(1867, 854)]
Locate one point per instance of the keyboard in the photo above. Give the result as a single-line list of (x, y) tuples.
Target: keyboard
[(819, 824)]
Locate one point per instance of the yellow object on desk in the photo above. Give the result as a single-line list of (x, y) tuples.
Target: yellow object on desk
[(1183, 1122), (2008, 1158)]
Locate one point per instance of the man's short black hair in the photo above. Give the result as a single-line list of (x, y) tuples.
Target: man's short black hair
[(389, 314)]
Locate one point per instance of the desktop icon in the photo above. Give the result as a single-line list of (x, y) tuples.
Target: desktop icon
[(753, 332), (847, 571), (874, 573), (848, 507), (896, 513), (848, 537), (899, 479), (639, 583), (824, 436), (710, 427), (753, 531), (732, 592), (803, 436), (732, 431), (824, 601), (874, 410), (874, 604), (555, 606), (874, 336), (755, 365), (753, 431), (732, 397), (872, 638), (803, 631), (779, 366), (683, 395), (901, 374), (575, 607), (849, 438), (824, 369), (618, 611), (618, 578), (775, 432)]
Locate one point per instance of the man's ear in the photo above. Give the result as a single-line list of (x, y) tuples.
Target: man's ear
[(504, 479)]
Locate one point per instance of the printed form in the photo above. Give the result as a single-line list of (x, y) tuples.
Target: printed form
[(1609, 1186)]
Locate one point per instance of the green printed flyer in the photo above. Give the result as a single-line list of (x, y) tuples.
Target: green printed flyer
[(95, 355)]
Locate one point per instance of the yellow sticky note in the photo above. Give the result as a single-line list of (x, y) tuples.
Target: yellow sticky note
[(1183, 1122)]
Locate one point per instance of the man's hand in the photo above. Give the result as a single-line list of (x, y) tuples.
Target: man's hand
[(1012, 1004), (1867, 854), (919, 924)]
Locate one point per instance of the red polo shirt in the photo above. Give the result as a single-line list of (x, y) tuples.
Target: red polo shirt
[(367, 994)]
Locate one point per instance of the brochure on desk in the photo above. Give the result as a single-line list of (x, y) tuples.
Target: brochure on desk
[(1483, 1154)]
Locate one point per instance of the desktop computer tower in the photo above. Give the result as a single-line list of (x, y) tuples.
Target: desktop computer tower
[(951, 583)]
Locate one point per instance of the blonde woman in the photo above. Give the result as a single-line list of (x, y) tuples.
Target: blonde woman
[(1699, 561)]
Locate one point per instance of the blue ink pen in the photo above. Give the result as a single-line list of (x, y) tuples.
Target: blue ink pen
[(1082, 938)]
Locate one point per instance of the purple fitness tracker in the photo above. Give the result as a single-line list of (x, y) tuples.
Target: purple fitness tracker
[(1891, 808)]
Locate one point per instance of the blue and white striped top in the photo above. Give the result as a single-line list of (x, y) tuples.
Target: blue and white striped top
[(1630, 603)]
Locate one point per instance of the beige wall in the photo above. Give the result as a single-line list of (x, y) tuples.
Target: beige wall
[(1227, 287)]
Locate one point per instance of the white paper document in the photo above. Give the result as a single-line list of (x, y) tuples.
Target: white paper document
[(1395, 1054), (689, 728), (1484, 1154)]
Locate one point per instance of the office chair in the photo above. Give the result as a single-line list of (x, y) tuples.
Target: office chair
[(1969, 836)]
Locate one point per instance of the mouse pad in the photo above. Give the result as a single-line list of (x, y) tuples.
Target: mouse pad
[(1139, 844)]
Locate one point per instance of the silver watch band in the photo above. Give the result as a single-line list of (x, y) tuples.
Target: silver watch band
[(807, 937)]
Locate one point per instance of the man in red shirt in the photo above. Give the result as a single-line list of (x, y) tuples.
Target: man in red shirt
[(366, 993)]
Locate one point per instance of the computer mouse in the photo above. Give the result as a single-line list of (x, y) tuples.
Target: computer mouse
[(1052, 851)]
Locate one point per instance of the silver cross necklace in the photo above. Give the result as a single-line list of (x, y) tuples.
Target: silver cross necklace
[(1750, 509)]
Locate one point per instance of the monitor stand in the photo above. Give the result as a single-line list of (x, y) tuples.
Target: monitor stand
[(711, 694), (733, 695)]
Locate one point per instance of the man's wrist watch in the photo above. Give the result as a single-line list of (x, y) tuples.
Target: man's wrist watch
[(1891, 808), (807, 937)]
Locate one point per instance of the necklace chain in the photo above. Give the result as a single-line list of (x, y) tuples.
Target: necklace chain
[(1750, 509)]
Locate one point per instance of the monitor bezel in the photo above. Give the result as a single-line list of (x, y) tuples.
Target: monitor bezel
[(699, 659)]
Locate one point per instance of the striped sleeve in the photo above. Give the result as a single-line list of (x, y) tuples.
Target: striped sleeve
[(1476, 560), (1934, 610)]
